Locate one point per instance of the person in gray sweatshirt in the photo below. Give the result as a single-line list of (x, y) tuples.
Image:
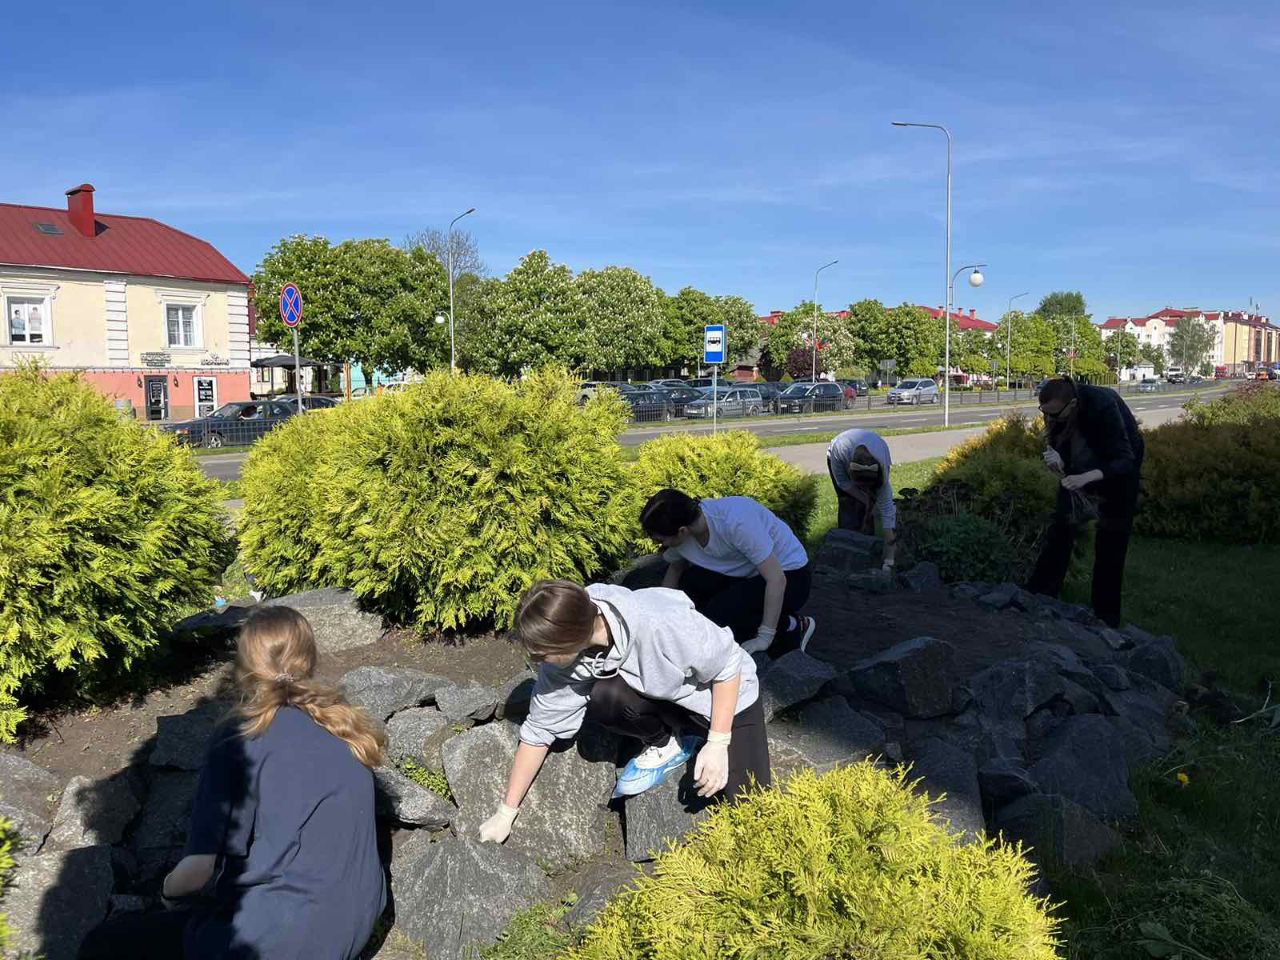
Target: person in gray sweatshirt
[(645, 664)]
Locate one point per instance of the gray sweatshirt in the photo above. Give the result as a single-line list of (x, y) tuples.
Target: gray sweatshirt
[(662, 648)]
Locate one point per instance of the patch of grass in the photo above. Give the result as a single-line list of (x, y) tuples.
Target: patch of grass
[(534, 934), (800, 439), (433, 780)]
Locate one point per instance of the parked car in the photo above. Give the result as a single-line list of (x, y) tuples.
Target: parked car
[(728, 401), (316, 403), (1148, 385), (237, 423), (914, 392), (592, 387), (681, 397), (650, 405), (859, 388), (1176, 376), (665, 384), (811, 397)]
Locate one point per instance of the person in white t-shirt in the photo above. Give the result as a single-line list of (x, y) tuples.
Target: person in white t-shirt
[(740, 564), (859, 464)]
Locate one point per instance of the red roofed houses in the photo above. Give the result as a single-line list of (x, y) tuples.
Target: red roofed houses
[(963, 321), (1243, 340), (150, 314)]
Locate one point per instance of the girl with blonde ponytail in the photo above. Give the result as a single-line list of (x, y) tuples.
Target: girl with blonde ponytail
[(282, 856)]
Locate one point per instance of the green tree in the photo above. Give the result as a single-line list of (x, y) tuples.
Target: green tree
[(1031, 340), (973, 351), (1191, 344), (690, 310), (1122, 349), (622, 320), (1153, 355), (792, 331), (906, 334), (742, 326), (1062, 303)]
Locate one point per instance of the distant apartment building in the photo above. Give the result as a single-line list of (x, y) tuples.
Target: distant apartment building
[(963, 321), (151, 316), (1243, 341)]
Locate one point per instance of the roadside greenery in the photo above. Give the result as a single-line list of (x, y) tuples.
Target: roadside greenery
[(8, 843), (108, 533)]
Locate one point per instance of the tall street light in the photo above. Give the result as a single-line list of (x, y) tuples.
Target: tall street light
[(813, 376), (975, 280), (453, 362), (1008, 337)]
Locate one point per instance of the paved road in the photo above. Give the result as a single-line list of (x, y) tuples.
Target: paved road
[(812, 457), (226, 466)]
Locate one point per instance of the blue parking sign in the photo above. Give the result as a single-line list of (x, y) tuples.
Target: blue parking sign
[(713, 344)]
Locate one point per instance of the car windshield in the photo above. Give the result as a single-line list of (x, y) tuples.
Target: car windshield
[(228, 411), (907, 385), (797, 390)]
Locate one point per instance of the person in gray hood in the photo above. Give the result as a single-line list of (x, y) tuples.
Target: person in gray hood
[(645, 664)]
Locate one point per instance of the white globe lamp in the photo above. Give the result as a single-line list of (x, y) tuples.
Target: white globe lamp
[(976, 278)]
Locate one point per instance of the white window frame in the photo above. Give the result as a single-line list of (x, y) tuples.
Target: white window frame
[(45, 293), (183, 298)]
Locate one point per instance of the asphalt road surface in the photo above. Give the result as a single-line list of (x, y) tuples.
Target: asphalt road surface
[(226, 466)]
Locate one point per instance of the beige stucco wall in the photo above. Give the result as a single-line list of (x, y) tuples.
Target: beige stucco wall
[(147, 334), (77, 308)]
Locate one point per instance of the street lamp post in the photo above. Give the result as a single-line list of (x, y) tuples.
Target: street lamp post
[(975, 280), (453, 361), (813, 375), (946, 270), (1008, 339)]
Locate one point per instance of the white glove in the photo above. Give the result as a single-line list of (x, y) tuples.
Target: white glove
[(711, 770), (1053, 460), (761, 642), (498, 827), (887, 569)]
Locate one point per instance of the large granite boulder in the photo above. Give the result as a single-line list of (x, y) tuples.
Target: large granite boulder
[(335, 617), (514, 696), (92, 813), (418, 732), (1015, 688), (183, 738), (597, 885), (455, 895), (824, 735), (161, 831), (27, 795), (56, 898), (791, 679), (381, 691), (914, 677), (950, 777), (922, 578), (409, 802), (845, 552), (1157, 659), (1058, 830), (563, 817), (468, 703), (652, 821), (1086, 760)]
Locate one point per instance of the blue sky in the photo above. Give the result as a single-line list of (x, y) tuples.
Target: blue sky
[(1122, 149)]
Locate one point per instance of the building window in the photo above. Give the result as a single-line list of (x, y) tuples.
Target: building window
[(28, 320), (181, 321)]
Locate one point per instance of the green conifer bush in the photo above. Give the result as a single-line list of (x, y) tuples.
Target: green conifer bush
[(8, 841), (441, 504), (848, 864), (108, 533)]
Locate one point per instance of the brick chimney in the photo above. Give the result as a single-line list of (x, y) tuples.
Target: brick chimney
[(973, 313), (80, 209)]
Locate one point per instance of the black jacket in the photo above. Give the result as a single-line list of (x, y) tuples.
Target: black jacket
[(1108, 428)]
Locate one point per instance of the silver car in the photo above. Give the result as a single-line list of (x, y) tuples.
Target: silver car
[(914, 392), (729, 402)]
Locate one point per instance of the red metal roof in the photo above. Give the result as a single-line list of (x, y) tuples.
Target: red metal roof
[(963, 321), (1114, 323), (130, 245)]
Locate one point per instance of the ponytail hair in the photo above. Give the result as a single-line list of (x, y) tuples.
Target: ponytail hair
[(275, 663)]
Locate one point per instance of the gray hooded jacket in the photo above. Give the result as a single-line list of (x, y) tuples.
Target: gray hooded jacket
[(662, 648)]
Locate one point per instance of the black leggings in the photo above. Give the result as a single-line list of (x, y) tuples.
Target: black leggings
[(738, 602), (149, 935), (1111, 546), (615, 706)]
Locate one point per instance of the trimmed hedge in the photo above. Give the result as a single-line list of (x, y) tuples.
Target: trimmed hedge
[(108, 532), (729, 464), (849, 864), (1252, 403), (440, 505)]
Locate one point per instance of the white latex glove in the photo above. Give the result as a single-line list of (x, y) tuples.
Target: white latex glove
[(711, 770), (886, 570), (761, 642), (1078, 480), (498, 827), (1053, 460)]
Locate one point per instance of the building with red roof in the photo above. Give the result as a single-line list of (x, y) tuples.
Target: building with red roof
[(963, 321), (1244, 340), (154, 317)]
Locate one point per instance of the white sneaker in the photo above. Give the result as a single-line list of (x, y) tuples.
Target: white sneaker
[(807, 626), (657, 756)]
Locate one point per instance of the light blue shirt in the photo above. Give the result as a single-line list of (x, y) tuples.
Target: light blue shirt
[(839, 456)]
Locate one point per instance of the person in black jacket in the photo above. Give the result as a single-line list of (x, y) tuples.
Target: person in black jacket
[(1095, 444)]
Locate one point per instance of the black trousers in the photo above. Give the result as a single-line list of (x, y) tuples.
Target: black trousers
[(1111, 546), (615, 706), (738, 602), (851, 513), (148, 935)]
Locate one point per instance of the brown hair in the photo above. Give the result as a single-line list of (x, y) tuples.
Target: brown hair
[(555, 616), (275, 660), (667, 511)]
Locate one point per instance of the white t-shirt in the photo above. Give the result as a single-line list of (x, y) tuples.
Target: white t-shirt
[(743, 534), (840, 454)]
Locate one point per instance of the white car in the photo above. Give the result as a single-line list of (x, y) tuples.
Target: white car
[(914, 392)]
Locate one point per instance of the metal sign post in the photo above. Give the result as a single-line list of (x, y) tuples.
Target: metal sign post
[(713, 352), (291, 314)]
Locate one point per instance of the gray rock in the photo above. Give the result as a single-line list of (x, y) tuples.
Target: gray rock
[(950, 776), (1081, 640), (129, 903), (27, 795), (182, 739), (161, 831), (1015, 688), (91, 813), (455, 895), (1085, 760), (1058, 830), (1142, 717), (473, 703), (658, 818), (791, 679), (57, 898), (647, 571), (966, 590), (924, 576), (418, 733), (914, 677), (1114, 638), (1003, 779), (844, 551), (563, 818), (335, 617), (212, 624), (1113, 677), (514, 697), (1050, 608), (1000, 597), (826, 734), (871, 581), (1157, 660), (410, 802), (381, 691), (598, 884), (986, 737)]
